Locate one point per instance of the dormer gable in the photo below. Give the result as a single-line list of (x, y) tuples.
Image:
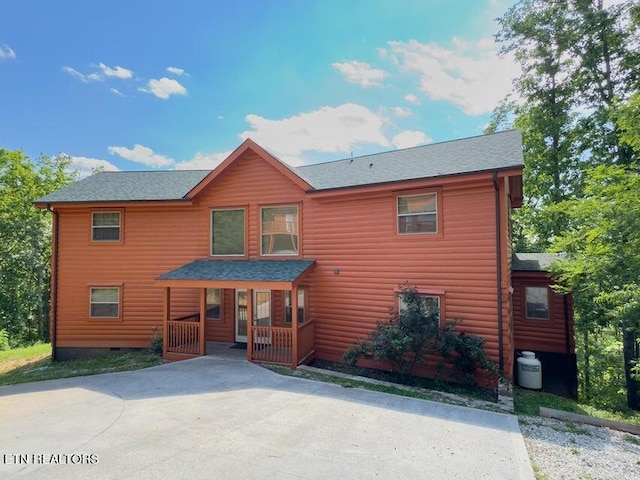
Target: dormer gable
[(245, 148)]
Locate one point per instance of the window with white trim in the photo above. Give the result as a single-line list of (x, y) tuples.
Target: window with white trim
[(288, 306), (214, 303), (537, 303), (105, 226), (417, 214), (431, 303), (105, 302), (228, 232), (279, 230)]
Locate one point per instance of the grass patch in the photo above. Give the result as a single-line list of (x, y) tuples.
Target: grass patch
[(528, 402), (631, 439), (348, 383), (486, 394), (17, 357), (33, 364)]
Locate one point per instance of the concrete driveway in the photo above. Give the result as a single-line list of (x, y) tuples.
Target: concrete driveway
[(214, 418)]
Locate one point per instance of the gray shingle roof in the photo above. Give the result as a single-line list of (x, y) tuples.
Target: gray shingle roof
[(534, 262), (240, 270), (497, 151), (129, 186)]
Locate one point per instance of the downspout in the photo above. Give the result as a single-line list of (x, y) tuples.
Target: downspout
[(54, 281), (499, 276)]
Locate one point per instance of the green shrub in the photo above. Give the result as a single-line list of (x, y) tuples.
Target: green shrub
[(410, 336), (156, 342), (4, 340)]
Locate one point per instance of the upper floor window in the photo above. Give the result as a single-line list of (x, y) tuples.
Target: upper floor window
[(537, 302), (214, 303), (280, 231), (228, 232), (418, 214), (105, 226), (105, 302)]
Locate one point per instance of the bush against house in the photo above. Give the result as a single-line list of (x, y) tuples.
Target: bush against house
[(413, 337)]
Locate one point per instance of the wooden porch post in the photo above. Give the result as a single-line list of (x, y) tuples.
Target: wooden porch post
[(203, 317), (294, 327), (249, 324), (166, 316)]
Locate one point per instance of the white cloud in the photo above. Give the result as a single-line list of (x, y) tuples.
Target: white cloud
[(201, 161), (177, 71), (329, 129), (164, 88), (410, 138), (360, 73), (116, 92), (118, 72), (411, 98), (402, 112), (85, 165), (470, 75), (92, 77), (141, 154), (6, 53)]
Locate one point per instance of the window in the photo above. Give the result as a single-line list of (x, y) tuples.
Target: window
[(105, 302), (431, 302), (537, 300), (227, 232), (214, 303), (105, 226), (287, 306), (280, 231), (417, 214)]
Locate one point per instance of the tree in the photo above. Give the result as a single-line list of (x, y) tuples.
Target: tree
[(602, 268), (538, 35), (580, 63), (25, 236)]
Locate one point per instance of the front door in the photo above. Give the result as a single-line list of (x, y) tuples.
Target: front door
[(262, 314), (241, 316)]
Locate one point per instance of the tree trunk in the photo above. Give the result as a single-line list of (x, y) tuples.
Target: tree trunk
[(629, 340)]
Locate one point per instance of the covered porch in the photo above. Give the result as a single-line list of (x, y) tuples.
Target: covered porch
[(271, 293)]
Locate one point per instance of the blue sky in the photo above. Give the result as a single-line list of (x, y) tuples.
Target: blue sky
[(135, 85)]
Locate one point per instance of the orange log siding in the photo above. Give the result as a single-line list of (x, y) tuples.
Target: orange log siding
[(541, 335), (349, 232)]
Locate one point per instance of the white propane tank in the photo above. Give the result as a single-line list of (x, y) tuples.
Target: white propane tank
[(529, 371)]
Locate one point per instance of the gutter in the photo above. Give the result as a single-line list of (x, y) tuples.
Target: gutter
[(54, 281), (499, 275)]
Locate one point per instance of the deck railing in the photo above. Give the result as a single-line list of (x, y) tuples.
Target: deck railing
[(183, 335), (271, 344), (306, 340)]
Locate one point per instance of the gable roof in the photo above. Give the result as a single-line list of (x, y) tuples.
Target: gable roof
[(484, 153), (534, 262), (497, 151), (128, 186), (249, 145)]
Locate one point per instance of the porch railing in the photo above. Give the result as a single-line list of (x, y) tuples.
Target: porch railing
[(306, 340), (275, 344), (271, 344), (183, 335)]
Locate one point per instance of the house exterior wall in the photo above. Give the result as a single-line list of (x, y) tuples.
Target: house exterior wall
[(356, 234), (542, 335), (360, 259)]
